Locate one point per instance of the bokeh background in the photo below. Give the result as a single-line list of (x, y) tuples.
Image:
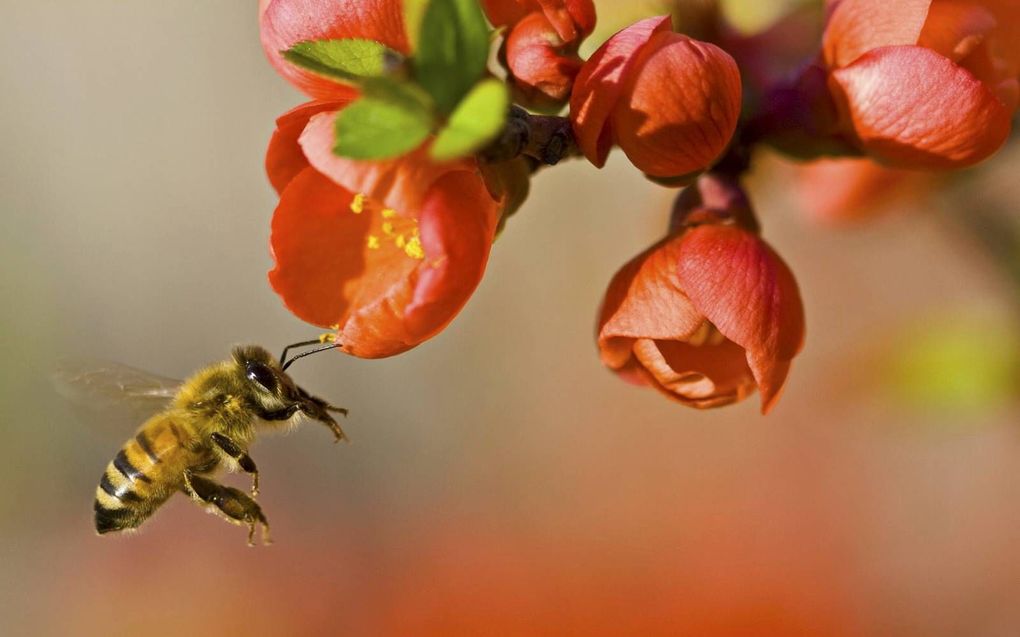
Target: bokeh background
[(499, 480)]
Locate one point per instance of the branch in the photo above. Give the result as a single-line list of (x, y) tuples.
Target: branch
[(547, 139)]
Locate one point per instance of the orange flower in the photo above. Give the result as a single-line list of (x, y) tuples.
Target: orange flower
[(924, 83), (540, 51), (670, 102), (851, 189), (385, 252), (709, 313)]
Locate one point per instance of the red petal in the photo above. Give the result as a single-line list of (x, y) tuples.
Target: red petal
[(858, 26), (954, 29), (600, 83), (397, 183), (284, 23), (734, 279), (318, 246), (284, 157), (572, 19), (542, 68), (913, 108), (645, 300), (679, 108)]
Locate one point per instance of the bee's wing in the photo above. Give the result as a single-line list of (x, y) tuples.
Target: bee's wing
[(105, 389)]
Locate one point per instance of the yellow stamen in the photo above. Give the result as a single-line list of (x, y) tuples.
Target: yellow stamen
[(400, 241), (373, 242), (387, 228), (414, 249), (358, 204), (388, 213)]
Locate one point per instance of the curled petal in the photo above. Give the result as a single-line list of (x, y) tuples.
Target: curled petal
[(355, 271), (397, 183), (600, 83), (701, 376), (955, 29), (284, 157), (857, 26), (541, 64), (679, 109), (284, 23), (913, 108), (739, 284)]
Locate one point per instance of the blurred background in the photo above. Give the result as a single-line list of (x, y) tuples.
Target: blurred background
[(499, 480)]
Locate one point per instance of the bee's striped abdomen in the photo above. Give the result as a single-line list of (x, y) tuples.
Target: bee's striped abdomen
[(141, 477)]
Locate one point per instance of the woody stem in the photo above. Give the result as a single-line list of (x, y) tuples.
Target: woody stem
[(547, 139)]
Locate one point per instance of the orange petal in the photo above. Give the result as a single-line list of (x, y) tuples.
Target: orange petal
[(913, 108), (542, 67), (703, 377), (284, 157), (572, 19), (742, 286), (858, 26), (599, 85), (284, 23), (954, 28), (679, 108), (645, 300)]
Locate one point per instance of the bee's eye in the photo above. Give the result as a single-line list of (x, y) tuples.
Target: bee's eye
[(262, 375)]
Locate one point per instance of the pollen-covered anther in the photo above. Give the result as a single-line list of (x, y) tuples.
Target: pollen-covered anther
[(414, 248), (373, 242), (358, 203)]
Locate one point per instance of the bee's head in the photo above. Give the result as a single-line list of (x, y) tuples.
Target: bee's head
[(272, 391)]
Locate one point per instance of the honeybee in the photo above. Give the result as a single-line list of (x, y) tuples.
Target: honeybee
[(207, 423)]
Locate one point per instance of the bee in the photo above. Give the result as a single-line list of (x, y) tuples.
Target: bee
[(208, 424)]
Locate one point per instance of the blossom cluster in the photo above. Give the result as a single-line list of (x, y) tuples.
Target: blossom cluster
[(395, 179)]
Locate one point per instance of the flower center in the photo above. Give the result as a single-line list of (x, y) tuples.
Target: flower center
[(389, 229), (706, 334)]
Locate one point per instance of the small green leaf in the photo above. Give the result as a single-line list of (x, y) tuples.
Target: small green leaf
[(477, 120), (453, 50), (348, 59), (391, 119)]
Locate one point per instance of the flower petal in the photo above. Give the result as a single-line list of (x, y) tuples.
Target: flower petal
[(284, 23), (600, 83), (858, 26), (645, 300), (735, 280), (572, 19), (679, 109), (284, 157), (913, 108), (542, 68), (703, 377), (318, 245)]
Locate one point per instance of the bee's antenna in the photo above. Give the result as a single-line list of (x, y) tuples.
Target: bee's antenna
[(309, 353), (283, 357)]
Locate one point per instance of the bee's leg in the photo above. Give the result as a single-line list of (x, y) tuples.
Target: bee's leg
[(235, 451), (235, 505)]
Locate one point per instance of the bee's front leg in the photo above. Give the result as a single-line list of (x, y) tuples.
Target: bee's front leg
[(235, 451), (235, 505)]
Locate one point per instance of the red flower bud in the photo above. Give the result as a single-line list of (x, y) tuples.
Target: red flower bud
[(706, 315), (540, 50), (670, 102), (924, 83), (284, 23), (386, 253)]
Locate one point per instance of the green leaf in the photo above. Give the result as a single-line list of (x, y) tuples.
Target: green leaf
[(348, 60), (391, 119), (477, 120), (453, 50)]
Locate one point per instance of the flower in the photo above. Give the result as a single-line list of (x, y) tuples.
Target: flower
[(385, 252), (924, 83), (540, 50), (670, 102), (709, 313), (852, 189)]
